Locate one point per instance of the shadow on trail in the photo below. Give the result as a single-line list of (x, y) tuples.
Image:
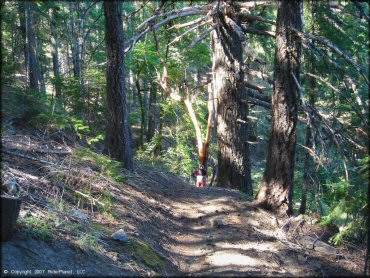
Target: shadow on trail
[(185, 232)]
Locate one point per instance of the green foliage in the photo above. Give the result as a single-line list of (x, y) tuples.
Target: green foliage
[(346, 205), (79, 127), (364, 168), (355, 229), (36, 226), (108, 201), (88, 241), (108, 167)]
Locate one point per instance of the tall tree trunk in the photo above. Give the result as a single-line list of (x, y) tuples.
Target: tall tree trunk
[(35, 75), (38, 21), (31, 60), (308, 161), (14, 49), (152, 111), (23, 27), (55, 54), (228, 86), (74, 43), (118, 135), (141, 96), (276, 190), (158, 146)]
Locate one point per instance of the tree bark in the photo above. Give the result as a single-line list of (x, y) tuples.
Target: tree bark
[(75, 43), (158, 146), (232, 122), (55, 55), (308, 164), (152, 112), (30, 51), (276, 190), (308, 161), (118, 134), (141, 96), (23, 27)]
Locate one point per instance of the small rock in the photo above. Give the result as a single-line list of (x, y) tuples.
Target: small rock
[(98, 234), (79, 215), (217, 222), (10, 185), (317, 245), (120, 235), (113, 255)]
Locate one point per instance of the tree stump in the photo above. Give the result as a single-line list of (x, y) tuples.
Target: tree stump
[(10, 207)]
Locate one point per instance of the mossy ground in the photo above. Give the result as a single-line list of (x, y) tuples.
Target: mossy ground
[(147, 254)]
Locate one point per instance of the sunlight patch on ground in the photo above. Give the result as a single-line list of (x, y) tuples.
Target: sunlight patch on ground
[(227, 259), (189, 251), (210, 208), (268, 246), (219, 204), (253, 222)]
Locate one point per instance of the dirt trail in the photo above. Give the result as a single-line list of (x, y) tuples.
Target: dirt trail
[(249, 241), (169, 222)]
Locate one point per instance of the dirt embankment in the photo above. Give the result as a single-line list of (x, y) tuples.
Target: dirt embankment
[(172, 227)]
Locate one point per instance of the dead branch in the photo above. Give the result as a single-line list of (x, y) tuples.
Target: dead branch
[(321, 80), (127, 17), (187, 31), (250, 18), (201, 37), (188, 24), (32, 158), (257, 102), (148, 25), (211, 115), (361, 114), (334, 48), (91, 199), (176, 14), (252, 4), (235, 26), (254, 86), (257, 95), (52, 151), (254, 31)]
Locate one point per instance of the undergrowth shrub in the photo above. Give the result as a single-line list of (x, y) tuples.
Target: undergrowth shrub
[(37, 227), (107, 166)]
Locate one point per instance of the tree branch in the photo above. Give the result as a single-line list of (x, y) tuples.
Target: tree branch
[(201, 37), (251, 30), (254, 86), (334, 48), (186, 32), (249, 18), (175, 14)]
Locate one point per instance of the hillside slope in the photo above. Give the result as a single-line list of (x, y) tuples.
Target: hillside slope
[(172, 228)]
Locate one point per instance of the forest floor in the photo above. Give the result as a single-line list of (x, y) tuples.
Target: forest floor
[(174, 228)]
